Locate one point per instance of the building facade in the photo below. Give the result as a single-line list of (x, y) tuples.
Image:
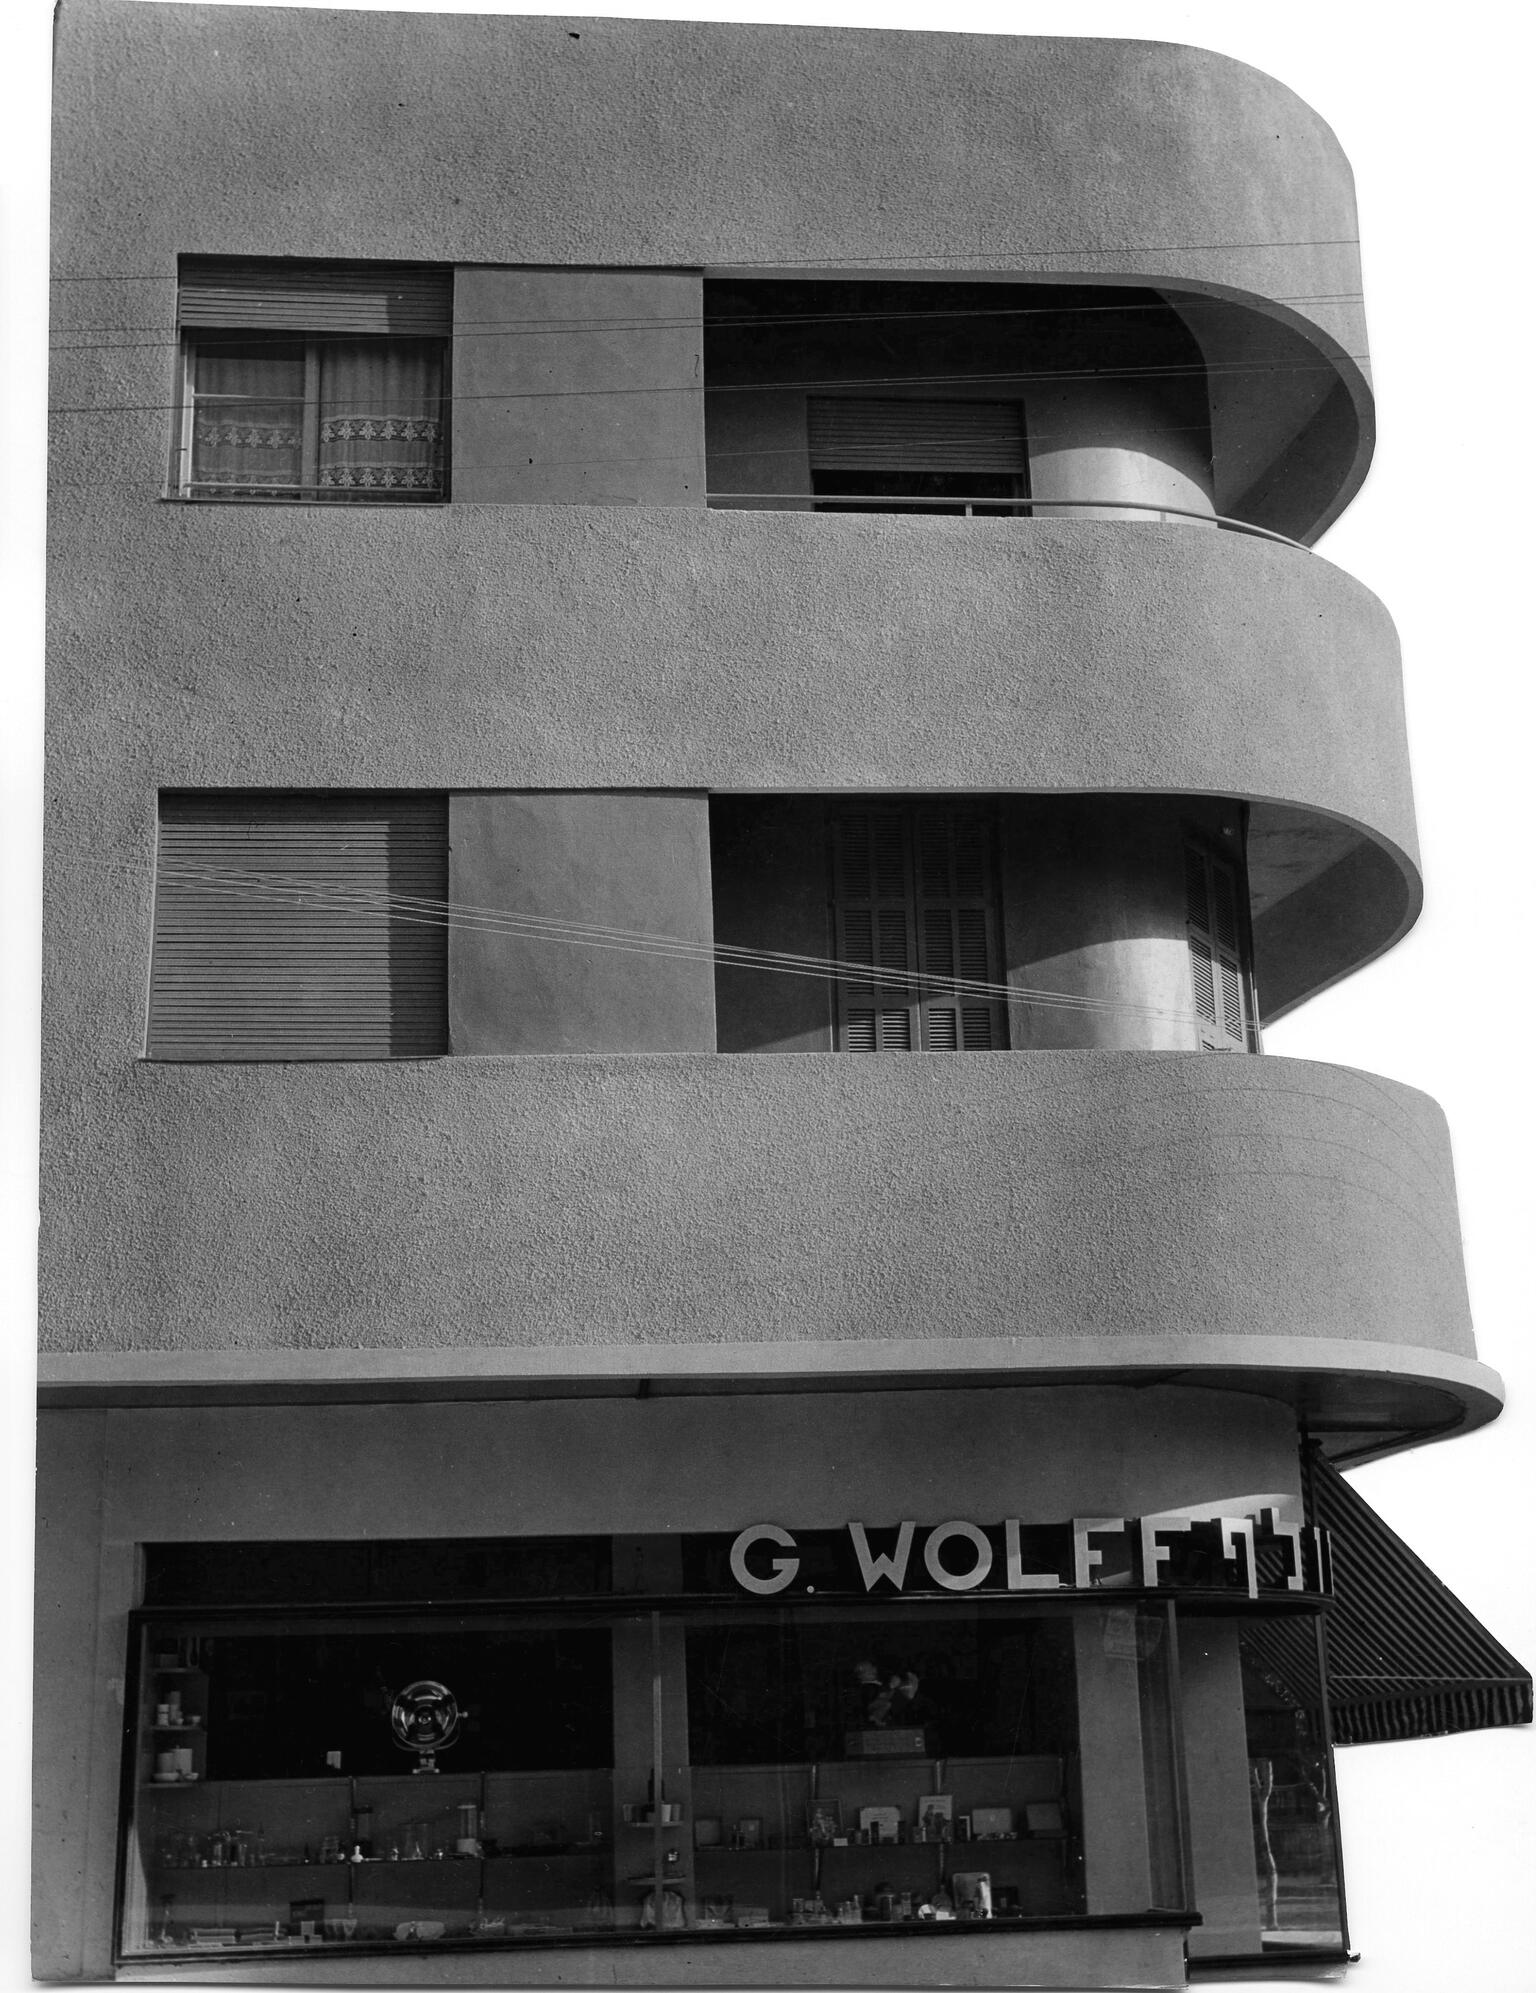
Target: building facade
[(600, 570)]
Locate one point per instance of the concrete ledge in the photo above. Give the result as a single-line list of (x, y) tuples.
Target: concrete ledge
[(628, 1216), (1363, 1398)]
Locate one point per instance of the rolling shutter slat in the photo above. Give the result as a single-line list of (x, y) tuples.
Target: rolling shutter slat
[(958, 927), (847, 433), (237, 294), (279, 932)]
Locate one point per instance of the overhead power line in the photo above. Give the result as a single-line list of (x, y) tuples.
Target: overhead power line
[(302, 893), (563, 325), (1021, 377)]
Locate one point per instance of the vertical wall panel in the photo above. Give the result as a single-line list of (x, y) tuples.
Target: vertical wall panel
[(582, 923), (769, 864), (578, 387)]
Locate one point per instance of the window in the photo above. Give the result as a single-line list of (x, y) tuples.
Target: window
[(300, 927), (313, 381), (560, 1771), (921, 456), (915, 899), (1218, 952)]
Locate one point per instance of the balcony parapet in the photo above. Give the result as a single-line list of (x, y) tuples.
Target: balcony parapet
[(1277, 1224)]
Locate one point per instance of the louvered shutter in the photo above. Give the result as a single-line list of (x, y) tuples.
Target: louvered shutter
[(873, 916), (851, 434), (300, 928), (957, 930), (915, 896), (245, 294), (1218, 974)]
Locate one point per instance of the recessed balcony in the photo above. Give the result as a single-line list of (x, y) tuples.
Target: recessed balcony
[(1020, 400)]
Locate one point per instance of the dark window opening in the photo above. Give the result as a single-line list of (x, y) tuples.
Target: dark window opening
[(933, 397)]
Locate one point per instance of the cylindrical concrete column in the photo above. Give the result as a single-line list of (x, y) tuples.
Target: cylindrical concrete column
[(1143, 443), (1095, 915)]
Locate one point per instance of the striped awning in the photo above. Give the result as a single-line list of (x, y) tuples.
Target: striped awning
[(1405, 1657)]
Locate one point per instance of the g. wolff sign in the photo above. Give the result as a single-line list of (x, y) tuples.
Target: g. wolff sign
[(1257, 1553)]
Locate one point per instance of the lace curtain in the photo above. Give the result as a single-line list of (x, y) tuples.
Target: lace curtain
[(375, 427)]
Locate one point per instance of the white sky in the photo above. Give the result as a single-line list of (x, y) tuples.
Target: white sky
[(1434, 113)]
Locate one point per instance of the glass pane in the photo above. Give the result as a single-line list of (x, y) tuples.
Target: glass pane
[(415, 1782), (1262, 1804), (521, 1775), (248, 419), (1291, 1780), (922, 1765)]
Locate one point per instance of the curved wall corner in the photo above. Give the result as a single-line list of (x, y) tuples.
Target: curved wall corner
[(1014, 1200)]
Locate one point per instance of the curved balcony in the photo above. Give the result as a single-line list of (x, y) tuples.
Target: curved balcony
[(562, 647), (1264, 1224)]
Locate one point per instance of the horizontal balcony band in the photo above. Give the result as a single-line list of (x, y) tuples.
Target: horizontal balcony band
[(610, 1216), (562, 647), (1364, 1398)]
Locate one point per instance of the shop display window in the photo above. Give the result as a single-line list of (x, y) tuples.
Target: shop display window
[(441, 1778), (1292, 1804)]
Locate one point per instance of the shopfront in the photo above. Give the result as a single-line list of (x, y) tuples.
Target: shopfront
[(395, 1766), (921, 1694), (1000, 1686)]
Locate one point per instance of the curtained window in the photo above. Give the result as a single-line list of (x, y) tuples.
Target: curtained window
[(319, 381), (331, 418)]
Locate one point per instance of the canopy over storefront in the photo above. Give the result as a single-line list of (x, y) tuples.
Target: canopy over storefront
[(1405, 1658)]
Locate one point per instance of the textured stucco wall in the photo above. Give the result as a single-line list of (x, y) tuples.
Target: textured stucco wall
[(513, 647), (768, 1199)]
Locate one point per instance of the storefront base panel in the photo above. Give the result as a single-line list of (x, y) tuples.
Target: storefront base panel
[(1106, 1961)]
